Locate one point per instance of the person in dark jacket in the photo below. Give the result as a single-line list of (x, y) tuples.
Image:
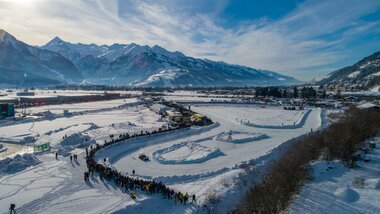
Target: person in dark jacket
[(12, 208), (194, 199)]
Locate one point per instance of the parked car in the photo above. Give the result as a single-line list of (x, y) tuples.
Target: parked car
[(143, 157)]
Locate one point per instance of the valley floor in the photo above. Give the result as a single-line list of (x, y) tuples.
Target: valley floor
[(200, 160)]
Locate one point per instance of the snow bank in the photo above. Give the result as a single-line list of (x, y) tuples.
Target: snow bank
[(240, 137), (77, 140), (373, 183), (18, 163), (2, 148), (347, 194), (188, 152), (20, 140)]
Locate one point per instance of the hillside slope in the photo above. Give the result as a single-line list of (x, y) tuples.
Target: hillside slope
[(364, 74), (25, 65)]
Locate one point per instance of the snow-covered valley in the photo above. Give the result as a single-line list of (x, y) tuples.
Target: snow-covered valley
[(198, 160)]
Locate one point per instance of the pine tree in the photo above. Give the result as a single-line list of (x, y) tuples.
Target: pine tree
[(295, 90)]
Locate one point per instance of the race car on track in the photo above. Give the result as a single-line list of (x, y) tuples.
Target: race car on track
[(143, 157)]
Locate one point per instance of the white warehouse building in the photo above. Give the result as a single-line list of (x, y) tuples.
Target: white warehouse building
[(159, 108)]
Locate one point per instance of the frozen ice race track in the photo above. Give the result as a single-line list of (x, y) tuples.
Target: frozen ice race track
[(205, 161), (188, 152), (229, 155)]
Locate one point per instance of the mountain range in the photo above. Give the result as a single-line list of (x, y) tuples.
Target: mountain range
[(22, 64), (61, 62), (364, 74)]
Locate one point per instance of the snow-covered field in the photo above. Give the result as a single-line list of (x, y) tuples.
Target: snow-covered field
[(261, 116), (96, 126), (200, 160), (337, 189), (81, 107)]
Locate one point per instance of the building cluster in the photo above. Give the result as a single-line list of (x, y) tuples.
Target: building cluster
[(24, 99), (178, 114), (27, 98)]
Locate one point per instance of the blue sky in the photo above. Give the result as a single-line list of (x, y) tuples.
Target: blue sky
[(301, 38)]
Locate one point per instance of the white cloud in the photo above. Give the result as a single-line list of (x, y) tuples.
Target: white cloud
[(292, 44)]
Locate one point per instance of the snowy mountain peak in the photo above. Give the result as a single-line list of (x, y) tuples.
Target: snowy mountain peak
[(143, 65), (159, 49), (25, 65), (56, 40), (6, 37), (111, 53), (2, 33)]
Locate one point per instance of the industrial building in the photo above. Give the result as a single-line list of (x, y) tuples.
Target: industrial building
[(25, 93), (13, 100), (38, 100), (76, 98), (7, 104), (67, 98)]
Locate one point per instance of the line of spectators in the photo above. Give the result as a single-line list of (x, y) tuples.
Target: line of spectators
[(131, 183)]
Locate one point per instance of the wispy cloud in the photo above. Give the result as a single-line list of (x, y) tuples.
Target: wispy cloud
[(307, 42)]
